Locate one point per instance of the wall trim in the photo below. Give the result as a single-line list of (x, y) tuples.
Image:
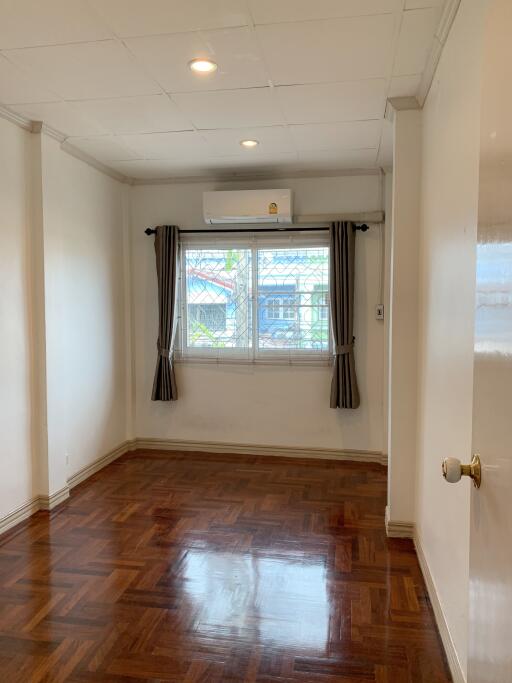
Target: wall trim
[(254, 449), (441, 36), (37, 503), (398, 528), (51, 502), (17, 119), (99, 464), (20, 514), (32, 506), (442, 625), (47, 503), (255, 176), (66, 145)]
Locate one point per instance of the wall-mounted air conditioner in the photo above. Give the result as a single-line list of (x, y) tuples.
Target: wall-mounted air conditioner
[(247, 206)]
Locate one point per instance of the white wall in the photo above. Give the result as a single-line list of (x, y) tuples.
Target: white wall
[(403, 341), (285, 406), (16, 463), (451, 142), (86, 327)]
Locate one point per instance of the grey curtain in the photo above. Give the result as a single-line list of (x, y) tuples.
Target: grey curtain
[(344, 390), (166, 249)]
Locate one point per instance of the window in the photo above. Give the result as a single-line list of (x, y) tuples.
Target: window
[(262, 299)]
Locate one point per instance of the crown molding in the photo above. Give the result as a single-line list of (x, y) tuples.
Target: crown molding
[(441, 36), (39, 127), (17, 119), (395, 104), (73, 151), (234, 177)]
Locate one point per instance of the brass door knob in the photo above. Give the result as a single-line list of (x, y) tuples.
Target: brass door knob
[(453, 470)]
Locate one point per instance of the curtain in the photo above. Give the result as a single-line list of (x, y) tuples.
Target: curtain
[(344, 391), (166, 249)]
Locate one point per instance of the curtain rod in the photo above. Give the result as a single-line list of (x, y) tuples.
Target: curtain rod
[(152, 231), (362, 223)]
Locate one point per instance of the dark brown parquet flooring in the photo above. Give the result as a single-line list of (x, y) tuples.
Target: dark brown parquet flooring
[(216, 568)]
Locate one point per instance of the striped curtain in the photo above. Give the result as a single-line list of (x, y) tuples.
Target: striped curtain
[(344, 390), (166, 249)]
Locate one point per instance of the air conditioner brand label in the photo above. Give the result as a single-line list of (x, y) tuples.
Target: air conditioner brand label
[(272, 208)]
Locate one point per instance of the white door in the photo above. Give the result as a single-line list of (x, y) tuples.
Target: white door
[(490, 638)]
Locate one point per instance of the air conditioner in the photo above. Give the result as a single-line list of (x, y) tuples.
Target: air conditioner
[(248, 206)]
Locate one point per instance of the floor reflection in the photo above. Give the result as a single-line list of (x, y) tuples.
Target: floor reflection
[(271, 600)]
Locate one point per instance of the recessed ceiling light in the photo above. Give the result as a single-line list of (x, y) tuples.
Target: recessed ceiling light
[(249, 143), (203, 66)]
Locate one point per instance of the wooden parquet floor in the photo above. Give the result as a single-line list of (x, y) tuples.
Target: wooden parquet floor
[(216, 568)]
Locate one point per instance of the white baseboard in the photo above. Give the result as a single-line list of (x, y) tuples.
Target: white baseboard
[(253, 449), (398, 529), (50, 502), (31, 507), (19, 515), (99, 464), (442, 626)]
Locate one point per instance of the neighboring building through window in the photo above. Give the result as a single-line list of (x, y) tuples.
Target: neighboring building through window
[(257, 300)]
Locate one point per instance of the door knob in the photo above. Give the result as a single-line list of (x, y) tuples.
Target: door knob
[(453, 470)]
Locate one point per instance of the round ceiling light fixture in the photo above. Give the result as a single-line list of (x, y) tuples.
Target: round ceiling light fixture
[(203, 66), (249, 144)]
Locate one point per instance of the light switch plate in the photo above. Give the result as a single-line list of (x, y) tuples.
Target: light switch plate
[(379, 311)]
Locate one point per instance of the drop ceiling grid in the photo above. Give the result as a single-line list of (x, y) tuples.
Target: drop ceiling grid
[(129, 96)]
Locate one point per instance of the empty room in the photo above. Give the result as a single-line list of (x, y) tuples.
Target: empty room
[(256, 341)]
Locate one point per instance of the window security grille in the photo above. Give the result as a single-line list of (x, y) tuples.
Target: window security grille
[(255, 301)]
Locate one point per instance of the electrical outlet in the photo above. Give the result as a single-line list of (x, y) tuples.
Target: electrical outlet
[(379, 311)]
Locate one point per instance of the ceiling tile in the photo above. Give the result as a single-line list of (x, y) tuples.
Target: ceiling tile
[(26, 23), (18, 88), (166, 168), (105, 149), (415, 40), (61, 116), (231, 108), (341, 160), (133, 18), (418, 4), (327, 51), (274, 11), (329, 136), (331, 102), (146, 169), (238, 163), (167, 145), (143, 114), (86, 70), (235, 51), (404, 86), (272, 139)]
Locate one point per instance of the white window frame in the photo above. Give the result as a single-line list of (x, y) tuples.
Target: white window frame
[(254, 242)]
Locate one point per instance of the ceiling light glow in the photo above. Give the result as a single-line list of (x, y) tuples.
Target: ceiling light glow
[(249, 143), (203, 66)]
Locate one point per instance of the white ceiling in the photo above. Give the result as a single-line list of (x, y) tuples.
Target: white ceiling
[(309, 80)]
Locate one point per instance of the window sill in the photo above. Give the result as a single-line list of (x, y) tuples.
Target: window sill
[(319, 361)]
